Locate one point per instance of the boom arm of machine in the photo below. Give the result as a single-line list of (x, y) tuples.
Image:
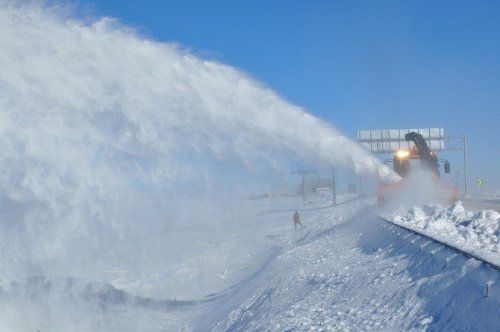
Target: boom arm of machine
[(428, 160)]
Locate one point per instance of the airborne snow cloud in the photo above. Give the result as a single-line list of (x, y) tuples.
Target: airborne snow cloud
[(95, 120)]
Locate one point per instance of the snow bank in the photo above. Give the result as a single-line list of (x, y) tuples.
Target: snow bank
[(477, 233), (357, 273)]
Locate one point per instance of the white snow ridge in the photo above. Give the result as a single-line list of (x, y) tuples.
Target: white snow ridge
[(477, 233)]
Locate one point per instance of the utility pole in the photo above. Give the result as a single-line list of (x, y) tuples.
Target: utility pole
[(303, 174), (360, 185), (334, 188), (304, 187)]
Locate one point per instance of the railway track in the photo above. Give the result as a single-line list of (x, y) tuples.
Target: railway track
[(392, 227)]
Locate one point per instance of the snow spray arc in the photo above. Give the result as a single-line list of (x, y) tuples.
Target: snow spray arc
[(88, 109)]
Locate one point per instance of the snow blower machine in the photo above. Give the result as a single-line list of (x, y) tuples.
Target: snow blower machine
[(429, 164)]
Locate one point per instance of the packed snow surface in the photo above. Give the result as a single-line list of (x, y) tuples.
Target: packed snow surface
[(474, 232)]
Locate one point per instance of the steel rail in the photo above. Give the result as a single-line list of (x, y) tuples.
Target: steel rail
[(447, 245)]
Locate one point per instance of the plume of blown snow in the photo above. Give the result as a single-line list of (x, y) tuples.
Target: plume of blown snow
[(100, 128)]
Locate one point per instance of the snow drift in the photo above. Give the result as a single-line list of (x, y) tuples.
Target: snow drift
[(477, 233)]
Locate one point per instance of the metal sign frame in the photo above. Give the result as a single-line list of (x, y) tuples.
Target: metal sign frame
[(392, 140)]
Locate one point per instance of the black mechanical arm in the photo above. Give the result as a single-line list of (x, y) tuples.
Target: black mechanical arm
[(427, 159)]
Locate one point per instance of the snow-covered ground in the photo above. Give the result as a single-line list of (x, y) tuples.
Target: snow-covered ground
[(477, 233), (346, 270), (158, 283), (349, 272), (490, 194)]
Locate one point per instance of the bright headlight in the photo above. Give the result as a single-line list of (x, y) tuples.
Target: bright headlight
[(403, 154)]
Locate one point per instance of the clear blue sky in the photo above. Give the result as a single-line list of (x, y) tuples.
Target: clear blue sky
[(357, 64)]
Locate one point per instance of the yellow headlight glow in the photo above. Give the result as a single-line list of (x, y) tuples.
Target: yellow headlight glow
[(403, 154)]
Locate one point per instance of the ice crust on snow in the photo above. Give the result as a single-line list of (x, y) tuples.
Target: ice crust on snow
[(474, 232)]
